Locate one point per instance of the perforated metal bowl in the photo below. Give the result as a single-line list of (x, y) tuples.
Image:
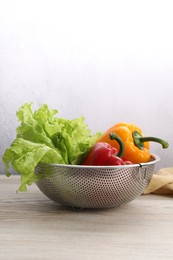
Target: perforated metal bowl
[(95, 186)]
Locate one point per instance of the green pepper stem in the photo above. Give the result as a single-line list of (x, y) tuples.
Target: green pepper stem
[(115, 137), (139, 140)]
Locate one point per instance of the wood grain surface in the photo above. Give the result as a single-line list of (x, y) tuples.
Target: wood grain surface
[(34, 227)]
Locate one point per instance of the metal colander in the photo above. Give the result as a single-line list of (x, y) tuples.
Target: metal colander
[(95, 186)]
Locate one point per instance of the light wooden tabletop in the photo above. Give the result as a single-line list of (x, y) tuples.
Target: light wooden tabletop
[(34, 227)]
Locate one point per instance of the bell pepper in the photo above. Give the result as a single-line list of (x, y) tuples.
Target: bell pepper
[(103, 154), (136, 146)]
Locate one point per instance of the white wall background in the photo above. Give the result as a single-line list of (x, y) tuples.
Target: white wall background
[(110, 61)]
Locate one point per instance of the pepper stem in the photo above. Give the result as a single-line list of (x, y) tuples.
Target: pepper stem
[(115, 137), (139, 140)]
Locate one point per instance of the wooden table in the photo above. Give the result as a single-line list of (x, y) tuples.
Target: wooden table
[(34, 227)]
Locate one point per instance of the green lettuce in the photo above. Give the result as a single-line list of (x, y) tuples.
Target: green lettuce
[(43, 137)]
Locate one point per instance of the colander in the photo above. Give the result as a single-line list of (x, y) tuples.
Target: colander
[(81, 186)]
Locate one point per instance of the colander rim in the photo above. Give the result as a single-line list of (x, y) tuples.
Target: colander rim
[(154, 159)]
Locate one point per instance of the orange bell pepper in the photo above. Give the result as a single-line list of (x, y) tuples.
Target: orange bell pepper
[(136, 146)]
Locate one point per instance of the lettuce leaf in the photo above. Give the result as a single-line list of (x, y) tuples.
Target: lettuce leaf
[(43, 137)]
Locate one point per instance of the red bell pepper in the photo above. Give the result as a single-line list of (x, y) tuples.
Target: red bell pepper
[(103, 154)]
